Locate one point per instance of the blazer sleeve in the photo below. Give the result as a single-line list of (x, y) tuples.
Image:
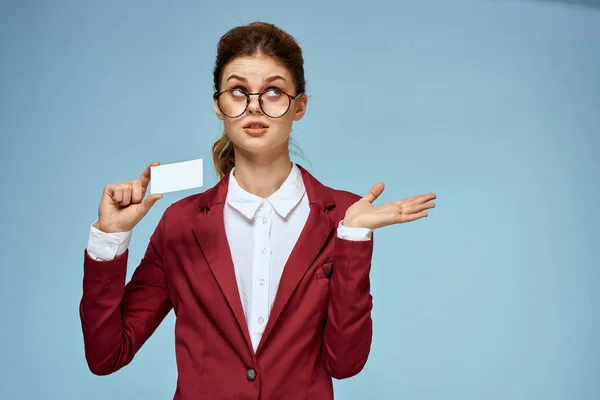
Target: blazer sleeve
[(348, 329), (118, 318)]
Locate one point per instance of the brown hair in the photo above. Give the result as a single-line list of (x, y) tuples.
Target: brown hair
[(255, 38)]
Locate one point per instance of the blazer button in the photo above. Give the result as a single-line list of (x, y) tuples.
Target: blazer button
[(251, 374)]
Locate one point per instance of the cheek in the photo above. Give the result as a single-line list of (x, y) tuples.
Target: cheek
[(282, 129), (284, 124), (229, 125)]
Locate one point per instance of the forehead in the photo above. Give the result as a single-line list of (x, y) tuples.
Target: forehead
[(255, 69)]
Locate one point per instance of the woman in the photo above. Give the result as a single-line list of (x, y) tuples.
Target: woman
[(267, 271)]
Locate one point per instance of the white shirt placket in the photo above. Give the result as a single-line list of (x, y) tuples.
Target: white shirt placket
[(261, 271)]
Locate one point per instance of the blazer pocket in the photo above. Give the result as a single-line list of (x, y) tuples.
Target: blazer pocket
[(325, 270)]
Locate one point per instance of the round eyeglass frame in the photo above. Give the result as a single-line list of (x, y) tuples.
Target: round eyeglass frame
[(216, 96)]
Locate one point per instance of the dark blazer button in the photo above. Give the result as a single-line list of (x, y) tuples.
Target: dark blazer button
[(251, 374)]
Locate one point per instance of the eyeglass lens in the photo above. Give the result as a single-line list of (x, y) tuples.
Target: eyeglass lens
[(273, 103)]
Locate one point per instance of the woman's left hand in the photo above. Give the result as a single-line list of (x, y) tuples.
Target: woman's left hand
[(364, 214)]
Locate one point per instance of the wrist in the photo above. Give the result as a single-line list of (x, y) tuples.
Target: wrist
[(103, 228), (349, 223)]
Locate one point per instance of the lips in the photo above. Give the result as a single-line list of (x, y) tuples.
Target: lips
[(255, 125), (255, 128)]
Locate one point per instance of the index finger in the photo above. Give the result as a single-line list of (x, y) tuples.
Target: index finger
[(145, 177), (419, 198)]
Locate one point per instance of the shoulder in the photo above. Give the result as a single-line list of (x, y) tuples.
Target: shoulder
[(320, 192), (190, 202), (188, 206), (343, 198)]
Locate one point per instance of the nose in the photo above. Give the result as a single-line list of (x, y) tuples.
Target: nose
[(254, 105)]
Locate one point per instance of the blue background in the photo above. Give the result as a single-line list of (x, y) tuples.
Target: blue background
[(492, 105)]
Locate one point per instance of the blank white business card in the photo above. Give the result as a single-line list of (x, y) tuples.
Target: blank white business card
[(176, 176)]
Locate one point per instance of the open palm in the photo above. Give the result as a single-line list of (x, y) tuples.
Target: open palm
[(364, 214)]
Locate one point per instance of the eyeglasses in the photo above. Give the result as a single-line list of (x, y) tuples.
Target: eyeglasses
[(273, 102)]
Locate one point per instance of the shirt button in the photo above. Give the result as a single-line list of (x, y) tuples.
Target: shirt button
[(250, 374), (264, 251), (264, 220), (261, 320), (112, 246), (262, 282)]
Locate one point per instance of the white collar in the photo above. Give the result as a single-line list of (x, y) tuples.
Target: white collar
[(283, 200)]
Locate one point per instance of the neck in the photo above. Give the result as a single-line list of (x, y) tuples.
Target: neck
[(259, 175)]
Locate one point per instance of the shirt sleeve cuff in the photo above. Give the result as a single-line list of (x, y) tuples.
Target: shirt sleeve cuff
[(355, 234), (104, 246)]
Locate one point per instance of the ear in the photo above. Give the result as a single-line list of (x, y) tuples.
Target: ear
[(218, 111), (301, 103)]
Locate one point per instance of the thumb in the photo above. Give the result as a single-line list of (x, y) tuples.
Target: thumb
[(150, 200), (374, 192)]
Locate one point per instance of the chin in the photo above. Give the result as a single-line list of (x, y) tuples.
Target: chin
[(259, 144)]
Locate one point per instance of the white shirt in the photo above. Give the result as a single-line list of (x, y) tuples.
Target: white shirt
[(261, 234)]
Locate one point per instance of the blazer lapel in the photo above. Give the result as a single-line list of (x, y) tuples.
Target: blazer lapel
[(209, 230), (317, 229)]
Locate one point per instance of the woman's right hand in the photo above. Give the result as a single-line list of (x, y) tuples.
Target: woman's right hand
[(123, 204)]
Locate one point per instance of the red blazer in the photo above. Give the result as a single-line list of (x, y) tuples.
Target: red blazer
[(320, 325)]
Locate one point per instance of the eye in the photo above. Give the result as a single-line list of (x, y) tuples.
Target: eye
[(238, 91), (273, 92)]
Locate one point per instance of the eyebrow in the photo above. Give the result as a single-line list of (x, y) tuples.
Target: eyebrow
[(269, 79)]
